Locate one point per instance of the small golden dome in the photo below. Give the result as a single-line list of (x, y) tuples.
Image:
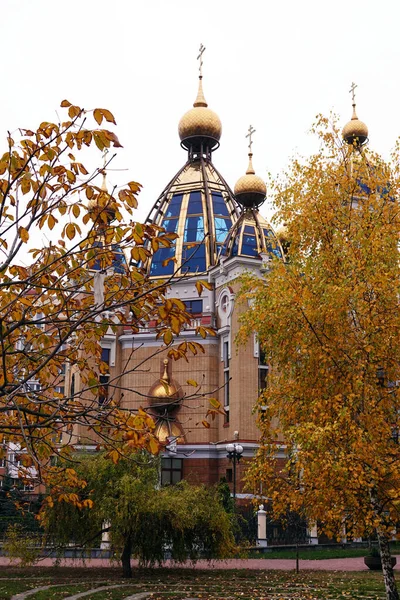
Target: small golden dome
[(166, 429), (200, 123), (250, 189), (102, 204), (355, 132), (165, 391)]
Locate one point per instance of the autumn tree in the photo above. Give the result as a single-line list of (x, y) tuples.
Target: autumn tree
[(71, 261), (141, 519), (329, 320)]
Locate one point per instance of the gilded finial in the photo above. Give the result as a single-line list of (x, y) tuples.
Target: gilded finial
[(352, 91), (200, 100), (165, 376), (250, 168)]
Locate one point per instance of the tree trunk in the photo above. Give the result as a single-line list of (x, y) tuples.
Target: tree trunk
[(126, 559), (387, 569)]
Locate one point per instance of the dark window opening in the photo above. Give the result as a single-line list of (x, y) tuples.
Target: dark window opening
[(104, 378), (171, 470), (262, 369), (73, 385), (225, 350), (229, 475), (194, 307)]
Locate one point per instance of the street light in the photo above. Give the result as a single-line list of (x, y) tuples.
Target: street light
[(234, 453)]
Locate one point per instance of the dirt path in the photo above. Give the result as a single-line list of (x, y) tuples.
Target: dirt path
[(332, 564)]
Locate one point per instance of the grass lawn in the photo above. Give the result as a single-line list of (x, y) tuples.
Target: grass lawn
[(318, 553), (168, 584)]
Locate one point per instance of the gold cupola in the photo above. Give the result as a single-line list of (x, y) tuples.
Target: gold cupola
[(200, 128), (165, 393), (250, 189), (355, 132), (100, 206)]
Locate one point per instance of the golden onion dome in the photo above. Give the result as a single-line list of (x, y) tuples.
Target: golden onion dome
[(166, 429), (355, 132), (165, 392), (101, 204), (200, 124), (250, 189)]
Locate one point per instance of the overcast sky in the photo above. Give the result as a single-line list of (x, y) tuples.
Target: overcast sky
[(272, 64)]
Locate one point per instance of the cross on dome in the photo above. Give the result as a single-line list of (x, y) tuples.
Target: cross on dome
[(251, 131), (200, 59), (352, 91)]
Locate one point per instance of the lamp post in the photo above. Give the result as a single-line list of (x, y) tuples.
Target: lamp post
[(234, 453)]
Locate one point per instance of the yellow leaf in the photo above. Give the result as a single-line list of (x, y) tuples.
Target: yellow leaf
[(192, 382), (154, 446), (23, 234), (167, 337), (215, 403), (97, 113), (51, 221), (70, 231), (65, 104), (205, 424), (108, 116)]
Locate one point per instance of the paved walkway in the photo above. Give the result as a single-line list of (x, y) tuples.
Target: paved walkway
[(332, 564)]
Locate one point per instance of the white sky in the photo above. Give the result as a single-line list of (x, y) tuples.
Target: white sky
[(272, 64)]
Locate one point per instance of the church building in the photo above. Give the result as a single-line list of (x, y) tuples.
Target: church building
[(221, 235)]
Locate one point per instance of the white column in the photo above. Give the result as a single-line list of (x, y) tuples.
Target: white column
[(105, 537), (313, 534), (262, 526)]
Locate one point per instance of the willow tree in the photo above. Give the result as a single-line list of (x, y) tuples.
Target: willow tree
[(329, 320), (141, 518), (70, 272)]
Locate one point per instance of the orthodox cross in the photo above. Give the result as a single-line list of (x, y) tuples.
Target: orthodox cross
[(200, 58), (352, 92), (251, 131)]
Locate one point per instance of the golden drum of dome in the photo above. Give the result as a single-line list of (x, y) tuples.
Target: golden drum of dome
[(250, 184), (355, 128), (163, 391), (200, 121)]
